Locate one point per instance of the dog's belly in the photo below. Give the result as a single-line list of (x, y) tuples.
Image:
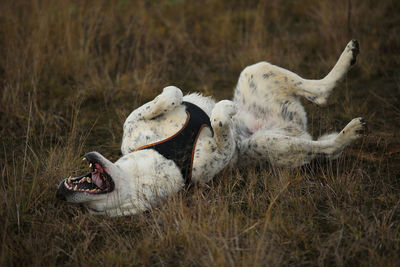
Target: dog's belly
[(247, 123), (144, 132)]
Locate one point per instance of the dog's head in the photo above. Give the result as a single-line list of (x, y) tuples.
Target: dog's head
[(97, 189), (125, 187)]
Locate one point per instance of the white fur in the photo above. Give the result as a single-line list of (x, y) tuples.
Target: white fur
[(270, 125)]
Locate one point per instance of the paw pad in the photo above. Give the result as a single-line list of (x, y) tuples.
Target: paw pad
[(355, 49)]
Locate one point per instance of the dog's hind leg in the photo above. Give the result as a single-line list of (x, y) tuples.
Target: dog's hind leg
[(267, 82), (213, 153), (280, 150), (318, 91)]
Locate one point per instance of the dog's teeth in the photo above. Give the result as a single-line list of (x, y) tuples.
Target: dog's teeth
[(90, 165), (69, 179), (88, 180), (75, 188), (83, 159)]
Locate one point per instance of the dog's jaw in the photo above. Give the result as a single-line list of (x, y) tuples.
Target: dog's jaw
[(100, 181)]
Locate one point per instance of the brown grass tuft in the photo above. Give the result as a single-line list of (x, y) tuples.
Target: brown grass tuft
[(71, 71)]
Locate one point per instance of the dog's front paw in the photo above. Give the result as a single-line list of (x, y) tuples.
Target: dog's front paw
[(222, 113), (172, 92), (227, 107), (353, 130), (170, 97)]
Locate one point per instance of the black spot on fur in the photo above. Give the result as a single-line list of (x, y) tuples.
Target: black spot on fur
[(267, 75), (298, 84), (286, 114), (311, 98), (253, 85)]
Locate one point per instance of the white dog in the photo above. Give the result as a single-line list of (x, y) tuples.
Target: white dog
[(174, 140)]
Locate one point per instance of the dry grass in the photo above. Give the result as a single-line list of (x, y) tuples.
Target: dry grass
[(71, 71)]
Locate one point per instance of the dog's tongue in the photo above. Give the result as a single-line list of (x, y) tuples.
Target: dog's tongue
[(96, 179)]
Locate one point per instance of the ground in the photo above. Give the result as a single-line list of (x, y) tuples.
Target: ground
[(71, 71)]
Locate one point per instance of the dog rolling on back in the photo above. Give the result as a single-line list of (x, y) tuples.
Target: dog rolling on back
[(265, 123)]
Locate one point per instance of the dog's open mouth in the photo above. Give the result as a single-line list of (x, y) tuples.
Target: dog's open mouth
[(98, 181)]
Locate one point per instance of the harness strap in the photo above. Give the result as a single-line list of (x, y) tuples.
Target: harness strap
[(181, 146)]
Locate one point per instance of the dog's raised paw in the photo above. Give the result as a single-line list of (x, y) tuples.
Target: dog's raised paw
[(222, 113), (353, 130), (226, 107), (170, 97), (172, 92), (363, 130), (354, 46)]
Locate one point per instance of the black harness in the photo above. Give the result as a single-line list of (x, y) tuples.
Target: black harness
[(181, 146)]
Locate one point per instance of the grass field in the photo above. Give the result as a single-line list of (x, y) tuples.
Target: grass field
[(71, 71)]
